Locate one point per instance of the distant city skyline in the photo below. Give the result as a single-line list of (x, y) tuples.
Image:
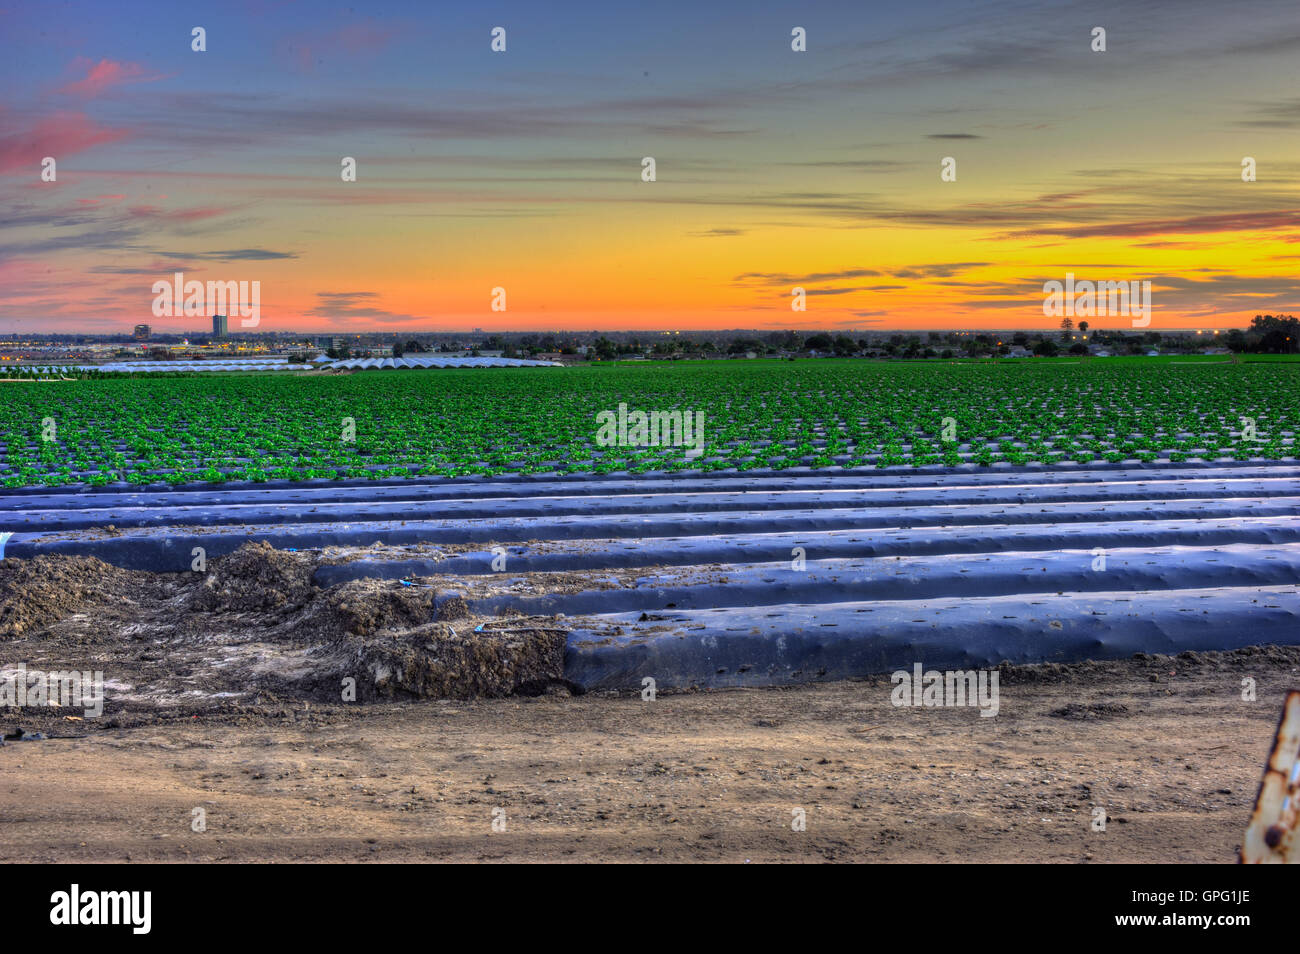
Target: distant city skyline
[(485, 176)]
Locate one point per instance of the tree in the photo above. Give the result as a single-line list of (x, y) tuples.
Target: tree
[(1067, 324), (818, 342), (1083, 328), (1278, 334), (1046, 348), (784, 340)]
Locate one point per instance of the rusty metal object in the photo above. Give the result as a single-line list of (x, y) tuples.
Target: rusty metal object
[(1271, 837)]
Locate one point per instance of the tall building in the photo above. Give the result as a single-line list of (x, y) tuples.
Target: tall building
[(219, 326), (141, 333)]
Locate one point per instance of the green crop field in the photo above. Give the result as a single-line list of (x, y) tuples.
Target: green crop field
[(758, 414)]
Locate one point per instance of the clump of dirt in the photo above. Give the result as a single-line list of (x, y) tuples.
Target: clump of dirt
[(36, 593), (400, 641), (452, 606), (442, 661), (255, 578), (366, 607), (1080, 711)]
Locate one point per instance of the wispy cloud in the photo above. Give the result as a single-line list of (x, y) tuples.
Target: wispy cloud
[(102, 76), (59, 135), (1200, 224), (358, 310)]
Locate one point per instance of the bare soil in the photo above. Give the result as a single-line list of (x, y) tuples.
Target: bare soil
[(226, 700)]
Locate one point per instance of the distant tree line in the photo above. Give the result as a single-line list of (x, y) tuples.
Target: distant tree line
[(1268, 334)]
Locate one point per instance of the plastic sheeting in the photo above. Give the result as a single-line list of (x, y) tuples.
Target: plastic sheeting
[(776, 645), (434, 361), (282, 364)]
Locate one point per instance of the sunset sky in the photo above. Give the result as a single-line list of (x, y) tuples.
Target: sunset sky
[(522, 169)]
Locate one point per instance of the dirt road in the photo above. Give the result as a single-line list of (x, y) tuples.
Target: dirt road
[(1165, 746)]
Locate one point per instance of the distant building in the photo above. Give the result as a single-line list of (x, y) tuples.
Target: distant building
[(219, 329), (560, 357), (141, 333)]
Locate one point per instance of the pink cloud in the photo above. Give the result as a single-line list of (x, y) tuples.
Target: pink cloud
[(60, 134), (176, 215), (97, 200), (100, 76)]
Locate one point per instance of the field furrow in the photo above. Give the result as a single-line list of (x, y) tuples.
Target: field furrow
[(741, 579)]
